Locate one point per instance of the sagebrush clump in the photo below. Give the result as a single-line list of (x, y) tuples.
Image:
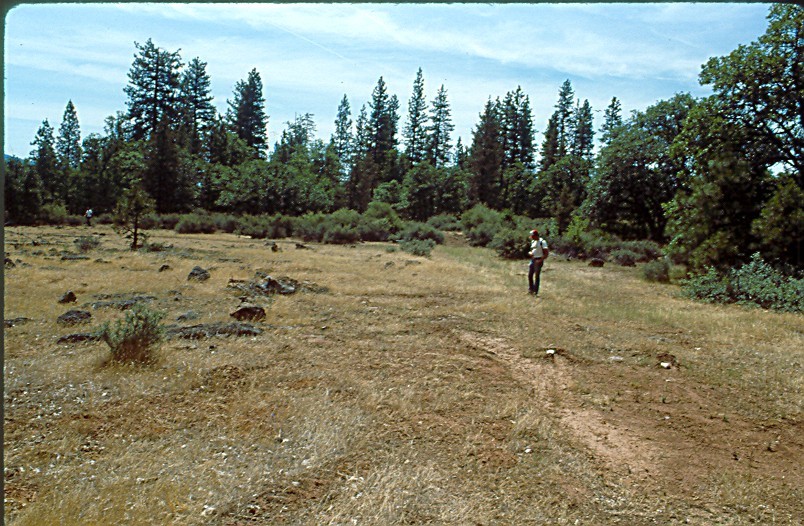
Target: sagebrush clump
[(134, 338)]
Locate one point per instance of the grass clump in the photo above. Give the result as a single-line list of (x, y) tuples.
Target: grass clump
[(87, 243), (510, 244), (134, 338)]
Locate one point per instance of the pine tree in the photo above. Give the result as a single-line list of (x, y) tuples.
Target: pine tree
[(549, 152), (152, 89), (517, 121), (342, 138), (563, 118), (246, 114), (415, 132), (582, 139), (486, 156), (383, 121), (45, 163), (438, 137), (195, 105), (68, 144), (612, 120)]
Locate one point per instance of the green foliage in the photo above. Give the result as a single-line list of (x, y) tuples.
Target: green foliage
[(415, 230), (196, 224), (780, 226), (87, 243), (341, 234), (657, 271), (132, 207), (755, 283), (134, 338), (480, 224), (624, 257), (510, 244), (54, 214), (418, 247), (445, 222)]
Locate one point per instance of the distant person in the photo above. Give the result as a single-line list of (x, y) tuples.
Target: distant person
[(538, 253), (88, 215)]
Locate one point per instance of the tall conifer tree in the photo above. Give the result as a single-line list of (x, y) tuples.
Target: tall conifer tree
[(438, 148), (415, 132), (68, 143), (195, 104), (152, 89), (246, 113)]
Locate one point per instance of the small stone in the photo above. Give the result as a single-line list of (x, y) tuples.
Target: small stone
[(666, 365), (74, 317), (248, 311), (198, 274), (68, 297), (164, 267)]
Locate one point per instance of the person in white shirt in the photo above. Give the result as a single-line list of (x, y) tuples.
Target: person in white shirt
[(538, 253)]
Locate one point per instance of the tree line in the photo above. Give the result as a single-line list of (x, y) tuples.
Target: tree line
[(716, 178)]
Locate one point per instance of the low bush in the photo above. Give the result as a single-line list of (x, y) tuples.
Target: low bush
[(755, 283), (225, 222), (625, 257), (510, 244), (150, 222), (195, 224), (415, 230), (169, 221), (445, 222), (418, 247), (310, 227), (645, 250), (156, 247), (657, 271), (87, 243), (375, 229), (54, 214), (341, 235), (134, 338)]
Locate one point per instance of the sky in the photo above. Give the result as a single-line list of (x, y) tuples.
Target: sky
[(310, 55)]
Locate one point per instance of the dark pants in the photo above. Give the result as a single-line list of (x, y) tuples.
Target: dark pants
[(534, 275)]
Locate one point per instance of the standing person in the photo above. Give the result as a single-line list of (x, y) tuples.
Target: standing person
[(88, 215), (538, 253)]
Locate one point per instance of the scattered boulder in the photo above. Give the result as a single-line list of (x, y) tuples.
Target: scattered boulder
[(74, 317), (79, 337), (667, 360), (68, 297), (164, 267), (208, 330), (16, 321), (265, 285), (301, 246), (9, 263), (190, 315), (250, 312), (74, 257), (597, 262), (198, 274)]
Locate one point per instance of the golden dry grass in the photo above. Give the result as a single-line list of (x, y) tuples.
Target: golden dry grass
[(412, 390)]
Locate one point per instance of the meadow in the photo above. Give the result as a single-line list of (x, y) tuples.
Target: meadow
[(391, 389)]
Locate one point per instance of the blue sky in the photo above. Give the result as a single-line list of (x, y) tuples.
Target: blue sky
[(310, 55)]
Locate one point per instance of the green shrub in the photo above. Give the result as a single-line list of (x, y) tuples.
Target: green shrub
[(195, 224), (445, 222), (169, 221), (375, 229), (54, 214), (510, 244), (134, 338), (156, 247), (87, 243), (625, 257), (657, 271), (415, 230), (755, 283), (341, 234), (644, 249), (418, 247), (225, 222), (150, 222), (310, 227)]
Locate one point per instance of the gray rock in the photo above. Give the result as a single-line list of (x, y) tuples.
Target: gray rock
[(74, 317), (74, 257), (79, 337), (164, 267), (597, 262), (208, 330), (68, 297), (16, 321), (190, 315), (249, 312), (198, 274)]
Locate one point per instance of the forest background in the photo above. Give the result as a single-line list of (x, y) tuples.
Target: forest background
[(712, 180)]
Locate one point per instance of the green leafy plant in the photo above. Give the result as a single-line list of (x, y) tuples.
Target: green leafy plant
[(657, 271), (418, 247), (87, 243), (134, 338)]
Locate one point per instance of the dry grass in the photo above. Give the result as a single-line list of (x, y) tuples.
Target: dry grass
[(410, 391)]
